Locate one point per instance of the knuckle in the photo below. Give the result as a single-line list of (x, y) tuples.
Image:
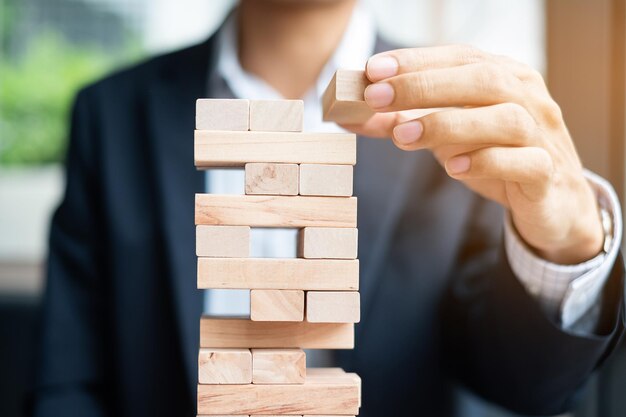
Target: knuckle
[(520, 121), (552, 113), (535, 76), (420, 89), (469, 54), (440, 126), (494, 78)]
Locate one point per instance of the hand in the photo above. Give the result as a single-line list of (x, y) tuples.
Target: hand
[(498, 131)]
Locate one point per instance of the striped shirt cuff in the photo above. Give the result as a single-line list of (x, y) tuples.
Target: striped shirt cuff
[(567, 293)]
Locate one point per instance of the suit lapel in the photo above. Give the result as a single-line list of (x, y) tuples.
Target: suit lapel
[(171, 119)]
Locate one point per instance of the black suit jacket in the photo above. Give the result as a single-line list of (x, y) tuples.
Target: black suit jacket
[(439, 301)]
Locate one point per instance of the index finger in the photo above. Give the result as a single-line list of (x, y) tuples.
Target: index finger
[(401, 61)]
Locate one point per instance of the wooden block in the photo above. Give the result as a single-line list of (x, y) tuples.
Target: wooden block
[(272, 179), (321, 374), (277, 305), (326, 180), (276, 115), (333, 307), (279, 274), (338, 395), (278, 366), (243, 333), (328, 243), (223, 241), (275, 211), (224, 366), (343, 101), (225, 148), (222, 114)]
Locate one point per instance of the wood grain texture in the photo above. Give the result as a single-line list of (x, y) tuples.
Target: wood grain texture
[(333, 395), (328, 243), (278, 366), (277, 305), (326, 180), (278, 274), (227, 148), (244, 333), (224, 366), (333, 307), (343, 100), (272, 179), (275, 211), (223, 241), (276, 115), (330, 373), (222, 114)]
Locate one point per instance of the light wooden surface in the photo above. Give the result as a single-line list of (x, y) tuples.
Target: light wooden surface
[(275, 211), (244, 333), (330, 373), (326, 180), (227, 148), (276, 115), (333, 307), (278, 366), (277, 305), (222, 114), (343, 101), (279, 274), (336, 395), (272, 179), (223, 241), (224, 366), (328, 243)]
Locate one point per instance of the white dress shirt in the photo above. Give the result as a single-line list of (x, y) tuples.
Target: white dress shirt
[(566, 292)]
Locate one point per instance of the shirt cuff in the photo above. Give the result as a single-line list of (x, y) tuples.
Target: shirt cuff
[(567, 292)]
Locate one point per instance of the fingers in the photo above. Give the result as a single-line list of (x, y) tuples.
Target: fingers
[(530, 166), (402, 61), (502, 124), (481, 84), (381, 125)]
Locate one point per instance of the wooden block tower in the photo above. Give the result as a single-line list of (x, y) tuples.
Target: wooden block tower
[(256, 366)]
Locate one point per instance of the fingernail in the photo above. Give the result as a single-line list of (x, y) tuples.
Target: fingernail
[(409, 132), (379, 95), (458, 164), (381, 67)]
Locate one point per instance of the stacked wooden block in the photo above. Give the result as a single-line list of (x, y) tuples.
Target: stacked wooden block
[(256, 366)]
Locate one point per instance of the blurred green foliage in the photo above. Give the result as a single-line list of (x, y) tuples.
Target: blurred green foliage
[(38, 84), (36, 92)]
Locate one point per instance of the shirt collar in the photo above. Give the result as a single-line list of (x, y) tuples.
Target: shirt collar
[(356, 46)]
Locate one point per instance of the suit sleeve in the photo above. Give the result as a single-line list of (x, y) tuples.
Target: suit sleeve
[(71, 376), (499, 342)]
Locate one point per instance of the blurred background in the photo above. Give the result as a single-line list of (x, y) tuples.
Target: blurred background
[(51, 48)]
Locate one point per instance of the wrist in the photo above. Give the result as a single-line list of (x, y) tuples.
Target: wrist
[(582, 246)]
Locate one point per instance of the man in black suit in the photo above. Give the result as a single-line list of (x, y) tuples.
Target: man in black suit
[(446, 294)]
